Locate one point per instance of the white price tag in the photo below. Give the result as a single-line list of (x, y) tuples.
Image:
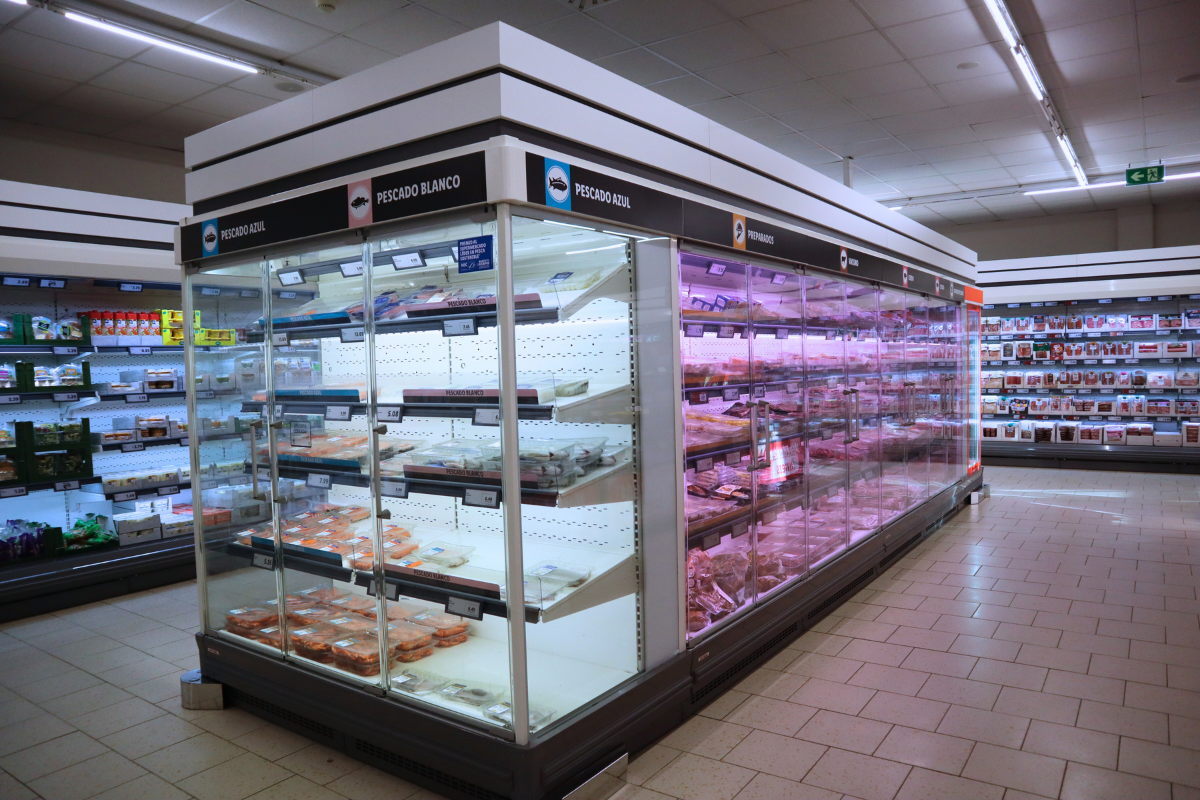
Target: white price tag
[(486, 416), (694, 330), (352, 269), (51, 283), (732, 459), (287, 295), (136, 398), (394, 489), (131, 287), (10, 399), (165, 491), (290, 278), (66, 397), (462, 607), (730, 395), (725, 331), (132, 447), (66, 486), (16, 281), (481, 498), (210, 291), (778, 280), (458, 327), (139, 351), (351, 335), (263, 561), (407, 261), (13, 491), (205, 394), (122, 497), (793, 387), (337, 412), (716, 269), (704, 464), (391, 414), (318, 481), (185, 441), (781, 333), (249, 293), (279, 339), (66, 351)]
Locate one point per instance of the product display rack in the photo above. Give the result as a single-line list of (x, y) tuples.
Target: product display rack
[(492, 382), (1111, 381)]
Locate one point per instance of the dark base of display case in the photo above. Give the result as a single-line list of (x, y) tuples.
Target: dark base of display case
[(472, 764), (1116, 458), (52, 584)]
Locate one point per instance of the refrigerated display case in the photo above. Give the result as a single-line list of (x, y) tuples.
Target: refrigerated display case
[(684, 431)]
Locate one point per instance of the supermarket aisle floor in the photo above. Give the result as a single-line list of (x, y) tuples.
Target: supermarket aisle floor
[(1045, 643), (89, 707)]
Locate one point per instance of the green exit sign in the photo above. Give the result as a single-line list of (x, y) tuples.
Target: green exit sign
[(1143, 175)]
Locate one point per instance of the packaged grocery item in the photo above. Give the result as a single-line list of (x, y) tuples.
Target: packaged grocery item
[(501, 712), (417, 682), (473, 694), (359, 655), (1067, 432), (568, 574), (1191, 433), (315, 641), (445, 553), (251, 618), (404, 636), (1114, 434), (43, 327), (444, 625)]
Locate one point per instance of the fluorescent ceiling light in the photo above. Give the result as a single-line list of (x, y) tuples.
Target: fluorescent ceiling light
[(1079, 188), (20, 2), (1000, 15), (895, 208), (1026, 67), (157, 42), (1181, 177)]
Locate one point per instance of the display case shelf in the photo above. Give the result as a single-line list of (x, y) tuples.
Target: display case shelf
[(49, 394), (333, 330), (605, 404)]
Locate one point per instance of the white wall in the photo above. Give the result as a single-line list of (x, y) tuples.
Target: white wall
[(48, 157)]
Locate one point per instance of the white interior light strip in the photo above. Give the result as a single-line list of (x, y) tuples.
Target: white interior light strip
[(20, 2), (1076, 188), (1016, 47), (157, 41)]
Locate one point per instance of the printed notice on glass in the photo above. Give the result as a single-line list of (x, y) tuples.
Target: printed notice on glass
[(475, 254)]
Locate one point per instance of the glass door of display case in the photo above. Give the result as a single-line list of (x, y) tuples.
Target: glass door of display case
[(945, 383), (917, 400), (864, 377), (896, 432)]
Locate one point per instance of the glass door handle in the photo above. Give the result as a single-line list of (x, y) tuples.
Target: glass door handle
[(380, 429), (259, 496)]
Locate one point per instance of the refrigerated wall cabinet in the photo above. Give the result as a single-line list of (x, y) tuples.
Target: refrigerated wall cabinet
[(542, 444)]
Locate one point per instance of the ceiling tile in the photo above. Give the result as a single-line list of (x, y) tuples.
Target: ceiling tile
[(808, 22), (886, 105), (10, 11), (890, 12), (349, 15), (687, 90), (1036, 16), (1081, 41), (1031, 156), (873, 81), (799, 147), (180, 64), (1018, 143), (1170, 54), (795, 96), (964, 165), (189, 10), (1103, 112), (1162, 82), (640, 66), (727, 110), (20, 49), (1022, 105), (952, 152), (152, 137), (754, 74), (1040, 168), (21, 90), (722, 44), (744, 8), (944, 67), (226, 102), (1172, 101), (407, 30), (914, 184), (1173, 137), (861, 50), (263, 86), (1179, 119), (581, 35), (1117, 161), (824, 116), (893, 161), (1168, 22), (1032, 125), (102, 102), (663, 19), (1094, 93), (184, 120), (983, 88), (817, 157), (518, 13), (761, 128), (142, 81), (1107, 130), (872, 148), (942, 34), (901, 173), (1103, 67), (262, 30), (60, 29), (340, 56), (845, 134), (924, 140), (920, 121), (979, 176), (68, 119)]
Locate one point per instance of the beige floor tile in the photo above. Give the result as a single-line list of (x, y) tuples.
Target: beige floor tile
[(43, 759), (958, 691), (1089, 643), (1027, 772), (640, 770), (296, 788), (147, 787), (231, 723), (147, 737), (916, 637), (270, 741), (778, 755), (956, 666), (235, 779), (1149, 725), (984, 726), (85, 701), (769, 787), (16, 675), (189, 756), (1128, 669), (858, 775), (1073, 744), (1022, 676), (12, 789), (1159, 761), (368, 783), (911, 711), (1085, 782), (321, 764), (845, 699), (981, 628), (18, 709), (863, 629), (1183, 702), (829, 668), (693, 777), (925, 749), (891, 655), (985, 648), (57, 686), (1185, 732), (1053, 657), (771, 683), (32, 731), (845, 732), (778, 716), (157, 637), (87, 778), (631, 792), (1037, 705), (156, 690), (1027, 634), (824, 643), (117, 717), (725, 703), (138, 672), (923, 784), (1085, 687)]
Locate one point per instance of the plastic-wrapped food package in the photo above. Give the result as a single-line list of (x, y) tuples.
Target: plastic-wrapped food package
[(419, 682), (353, 602), (314, 613), (444, 625), (315, 641), (446, 554), (568, 574), (251, 618), (357, 654), (469, 692), (502, 712)]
